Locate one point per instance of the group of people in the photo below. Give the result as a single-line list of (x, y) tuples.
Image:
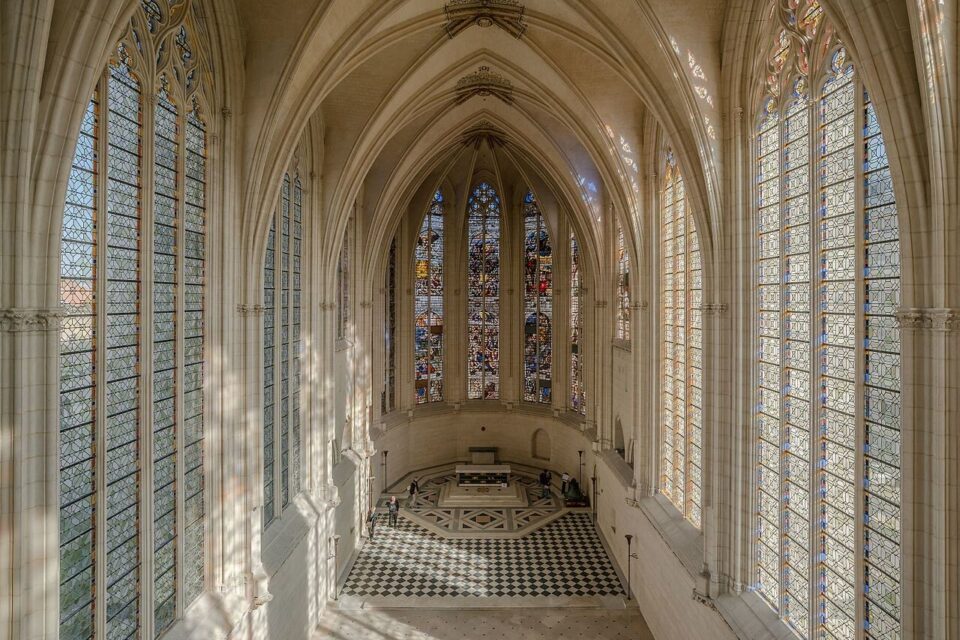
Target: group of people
[(393, 508)]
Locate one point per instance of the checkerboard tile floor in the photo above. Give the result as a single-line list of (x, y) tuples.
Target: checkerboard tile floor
[(563, 559)]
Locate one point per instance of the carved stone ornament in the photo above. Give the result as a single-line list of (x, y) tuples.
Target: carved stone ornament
[(250, 309), (484, 82), (714, 308), (936, 319), (506, 14), (25, 320)]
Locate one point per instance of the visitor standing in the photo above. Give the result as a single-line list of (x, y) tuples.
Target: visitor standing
[(565, 483), (414, 491), (545, 479), (393, 509), (371, 523)]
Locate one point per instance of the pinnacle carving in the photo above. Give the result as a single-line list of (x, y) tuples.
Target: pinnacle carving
[(484, 82), (506, 14)]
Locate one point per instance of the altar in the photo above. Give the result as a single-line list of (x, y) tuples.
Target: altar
[(483, 475)]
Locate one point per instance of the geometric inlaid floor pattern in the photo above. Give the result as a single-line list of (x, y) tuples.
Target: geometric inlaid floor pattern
[(564, 559), (473, 520)]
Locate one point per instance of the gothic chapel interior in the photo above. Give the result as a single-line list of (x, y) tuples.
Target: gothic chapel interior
[(456, 319)]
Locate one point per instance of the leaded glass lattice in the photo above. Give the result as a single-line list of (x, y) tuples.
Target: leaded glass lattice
[(78, 374), (166, 220), (828, 368), (577, 392), (623, 286), (269, 372), (483, 293), (428, 305), (122, 358), (538, 304), (681, 395)]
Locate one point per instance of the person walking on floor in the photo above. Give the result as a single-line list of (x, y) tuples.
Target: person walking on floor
[(414, 491), (393, 509), (371, 522)]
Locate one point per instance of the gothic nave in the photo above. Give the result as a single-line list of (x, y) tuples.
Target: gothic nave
[(463, 319)]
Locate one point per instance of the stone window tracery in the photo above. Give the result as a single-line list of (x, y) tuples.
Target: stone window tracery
[(623, 287)]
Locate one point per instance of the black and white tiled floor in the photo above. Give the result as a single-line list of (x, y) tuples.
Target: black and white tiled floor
[(564, 559)]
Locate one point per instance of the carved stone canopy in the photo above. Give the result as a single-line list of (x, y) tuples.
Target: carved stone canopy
[(484, 82), (506, 14)]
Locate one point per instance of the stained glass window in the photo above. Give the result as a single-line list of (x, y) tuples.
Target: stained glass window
[(577, 392), (483, 293), (428, 305), (78, 380), (166, 219), (343, 286), (828, 368), (123, 357), (282, 299), (623, 287), (681, 380), (390, 332), (120, 242), (296, 294), (538, 304)]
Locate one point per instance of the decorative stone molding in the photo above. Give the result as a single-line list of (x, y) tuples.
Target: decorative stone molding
[(250, 309), (931, 319), (26, 320), (226, 112), (366, 304), (484, 82), (640, 305), (506, 14), (601, 304), (714, 308), (327, 306)]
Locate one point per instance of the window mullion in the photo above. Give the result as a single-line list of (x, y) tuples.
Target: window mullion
[(781, 333), (277, 346), (859, 370), (100, 370), (147, 251), (180, 354), (813, 454)]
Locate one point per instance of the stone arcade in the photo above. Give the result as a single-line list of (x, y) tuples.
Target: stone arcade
[(263, 263)]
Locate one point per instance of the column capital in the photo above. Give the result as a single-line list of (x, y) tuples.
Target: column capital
[(714, 308), (250, 309), (30, 320), (942, 319)]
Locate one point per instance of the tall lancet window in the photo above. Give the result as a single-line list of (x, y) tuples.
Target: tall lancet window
[(538, 304), (483, 293), (132, 343), (390, 332), (428, 305), (577, 393), (281, 351), (623, 287), (828, 364), (681, 379)]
